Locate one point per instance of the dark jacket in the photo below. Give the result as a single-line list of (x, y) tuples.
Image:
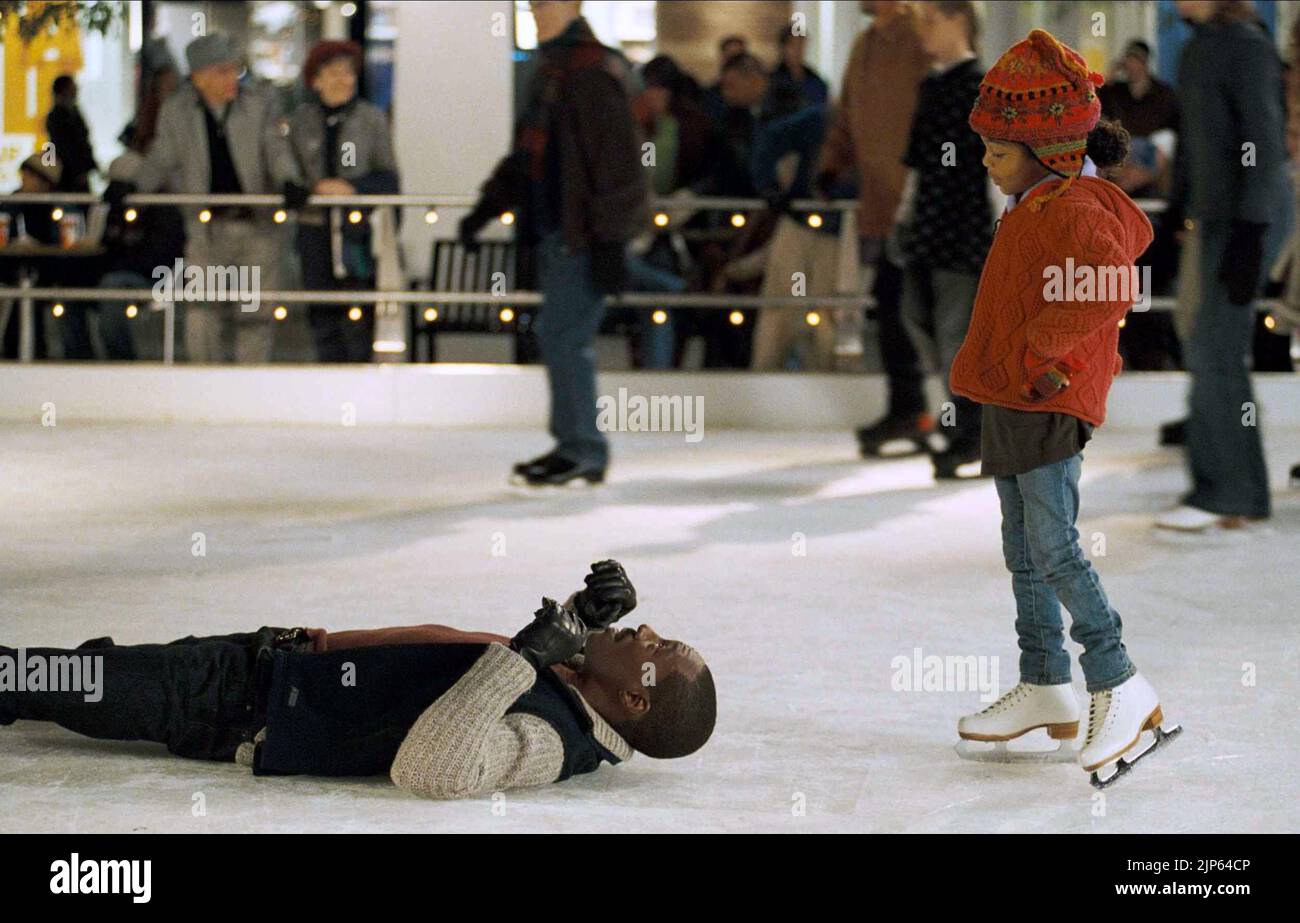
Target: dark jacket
[(578, 122), (71, 140), (1230, 93), (317, 725)]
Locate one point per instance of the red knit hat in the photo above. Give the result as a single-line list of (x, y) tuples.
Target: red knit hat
[(1041, 94)]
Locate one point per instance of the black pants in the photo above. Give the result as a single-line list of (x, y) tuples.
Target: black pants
[(898, 355), (199, 696)]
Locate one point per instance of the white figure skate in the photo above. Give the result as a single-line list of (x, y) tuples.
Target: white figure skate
[(1116, 719), (1025, 708)]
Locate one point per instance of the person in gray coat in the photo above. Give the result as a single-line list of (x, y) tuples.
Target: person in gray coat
[(216, 136), (341, 146), (1231, 180)]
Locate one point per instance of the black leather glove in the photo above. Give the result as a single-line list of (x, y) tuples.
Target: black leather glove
[(117, 191), (608, 267), (295, 196), (608, 597), (469, 228), (1242, 259), (554, 636)]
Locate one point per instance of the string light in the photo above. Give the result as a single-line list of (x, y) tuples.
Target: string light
[(1270, 322), (1122, 322), (57, 214), (814, 220), (813, 318), (354, 217), (661, 219), (506, 315), (737, 220), (280, 216), (205, 216), (431, 217), (736, 318), (354, 313), (281, 312), (130, 215), (57, 310), (660, 316), (507, 217), (132, 310), (430, 315)]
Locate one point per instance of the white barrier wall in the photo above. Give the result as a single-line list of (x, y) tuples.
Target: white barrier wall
[(459, 396)]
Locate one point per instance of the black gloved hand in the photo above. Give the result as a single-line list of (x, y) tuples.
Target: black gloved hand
[(1242, 259), (608, 597), (608, 267), (554, 636), (295, 196), (117, 191), (469, 228)]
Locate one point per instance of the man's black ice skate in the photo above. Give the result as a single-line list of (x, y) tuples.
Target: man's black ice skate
[(957, 463), (1174, 433), (896, 436), (554, 470)]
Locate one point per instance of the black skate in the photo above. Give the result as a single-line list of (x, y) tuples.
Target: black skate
[(896, 436), (554, 470), (1122, 766)]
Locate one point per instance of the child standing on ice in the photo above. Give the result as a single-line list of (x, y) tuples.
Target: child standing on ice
[(1040, 359)]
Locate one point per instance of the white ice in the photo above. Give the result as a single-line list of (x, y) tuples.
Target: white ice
[(348, 528)]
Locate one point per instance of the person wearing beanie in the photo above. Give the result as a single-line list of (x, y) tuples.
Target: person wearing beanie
[(341, 145), (215, 135), (1040, 356)]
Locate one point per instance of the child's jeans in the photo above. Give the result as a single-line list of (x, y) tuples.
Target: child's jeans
[(1041, 546)]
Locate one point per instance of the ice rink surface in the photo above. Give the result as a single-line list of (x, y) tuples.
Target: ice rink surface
[(368, 527)]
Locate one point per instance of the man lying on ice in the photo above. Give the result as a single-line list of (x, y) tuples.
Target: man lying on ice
[(446, 713)]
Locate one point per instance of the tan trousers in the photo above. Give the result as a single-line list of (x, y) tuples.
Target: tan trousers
[(209, 328), (797, 248)]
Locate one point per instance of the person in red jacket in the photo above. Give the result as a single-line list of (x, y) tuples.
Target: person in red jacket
[(1039, 356)]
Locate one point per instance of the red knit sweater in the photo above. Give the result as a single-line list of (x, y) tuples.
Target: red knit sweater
[(1016, 333)]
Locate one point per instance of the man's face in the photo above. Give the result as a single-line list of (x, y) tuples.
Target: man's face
[(218, 84), (553, 16), (635, 659), (1196, 10), (336, 82), (1135, 68), (938, 33), (730, 49), (1010, 166), (793, 50), (741, 88)]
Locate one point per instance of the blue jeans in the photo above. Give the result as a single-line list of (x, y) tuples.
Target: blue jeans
[(656, 339), (1225, 456), (1041, 546), (571, 312)]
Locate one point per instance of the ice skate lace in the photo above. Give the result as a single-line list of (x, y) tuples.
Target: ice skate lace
[(1097, 711), (1011, 698)]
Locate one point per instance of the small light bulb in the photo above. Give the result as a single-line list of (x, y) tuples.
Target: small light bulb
[(736, 318), (280, 216), (507, 217), (281, 312), (348, 10), (132, 310), (661, 220), (57, 214), (354, 313), (737, 220), (130, 215), (430, 315), (660, 316), (354, 217), (430, 217), (814, 220), (813, 318), (205, 216), (1122, 322), (506, 315), (57, 310), (1269, 321)]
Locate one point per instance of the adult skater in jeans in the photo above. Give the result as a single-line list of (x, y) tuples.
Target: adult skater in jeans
[(575, 178), (444, 713), (1041, 361)]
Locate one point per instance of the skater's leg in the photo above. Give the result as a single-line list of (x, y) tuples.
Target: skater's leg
[(1041, 633), (198, 699), (1051, 500)]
